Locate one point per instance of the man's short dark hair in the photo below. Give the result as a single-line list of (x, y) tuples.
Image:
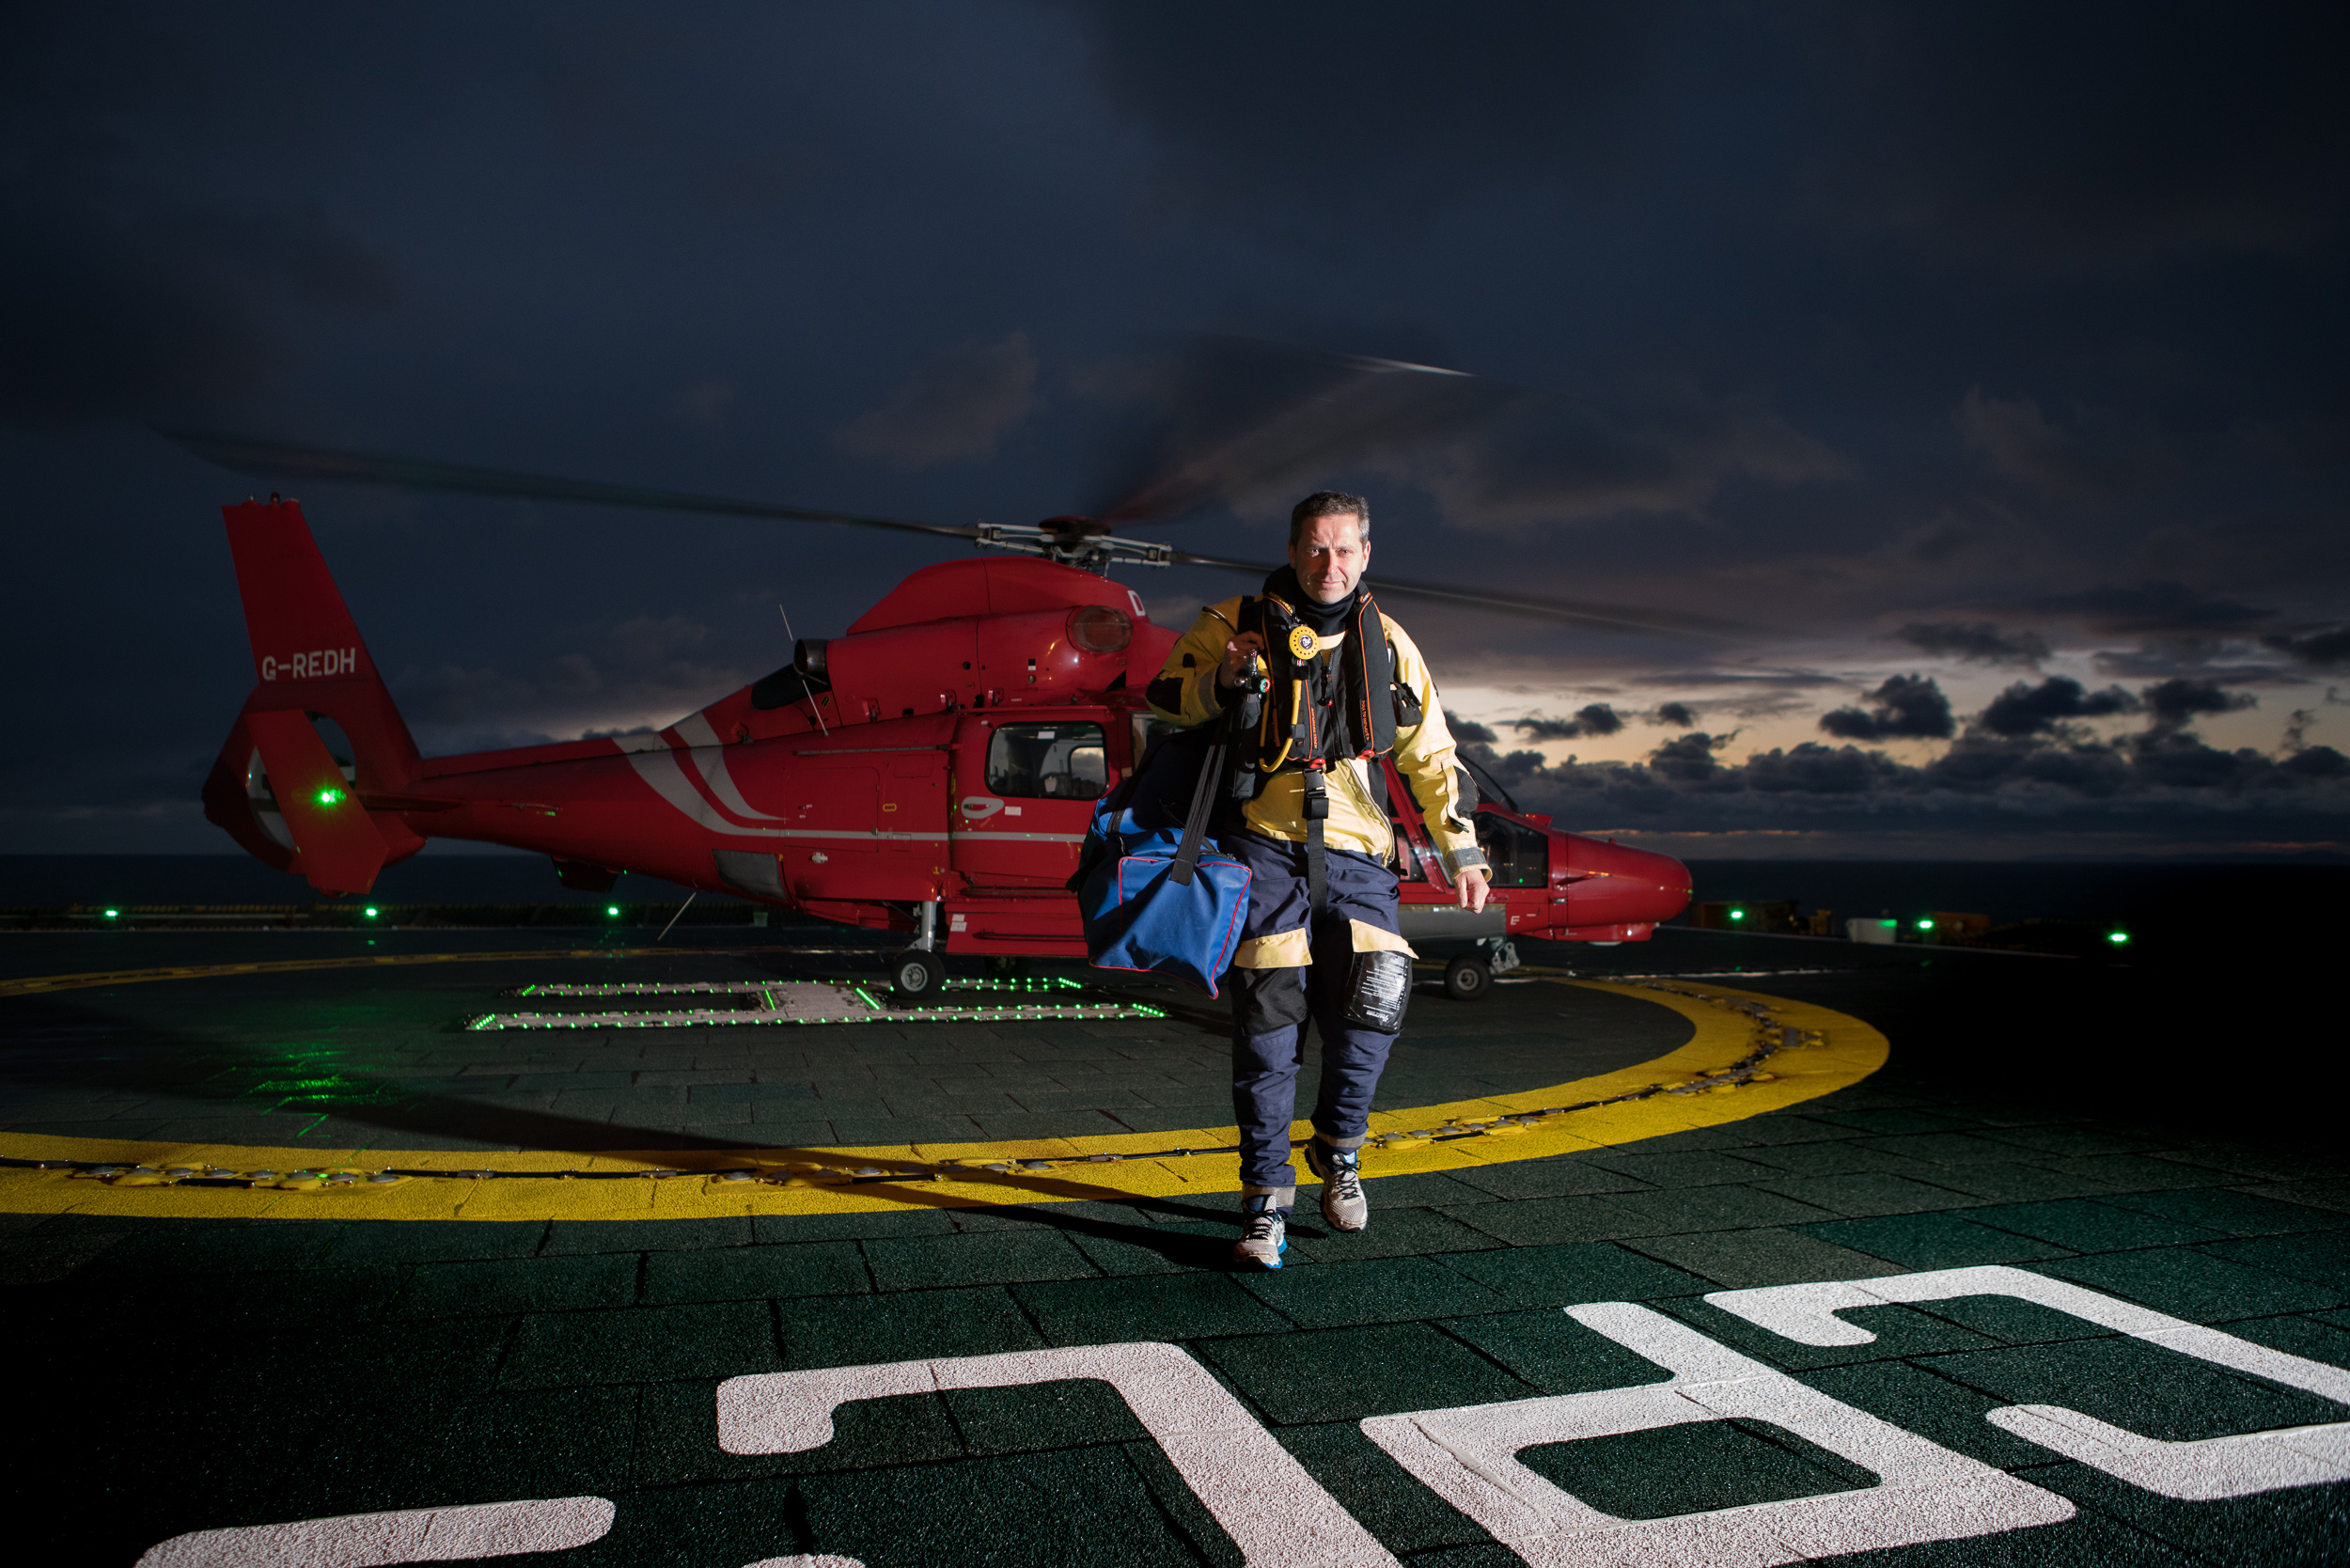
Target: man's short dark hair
[(1329, 503)]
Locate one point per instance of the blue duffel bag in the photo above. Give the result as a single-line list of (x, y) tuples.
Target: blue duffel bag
[(1158, 897)]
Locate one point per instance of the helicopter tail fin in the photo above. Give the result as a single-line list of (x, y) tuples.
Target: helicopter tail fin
[(320, 734)]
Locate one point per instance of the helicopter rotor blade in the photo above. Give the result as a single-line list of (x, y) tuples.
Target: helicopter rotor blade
[(1574, 612), (1248, 414), (247, 455)]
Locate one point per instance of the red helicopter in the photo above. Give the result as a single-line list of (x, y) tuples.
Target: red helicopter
[(931, 772)]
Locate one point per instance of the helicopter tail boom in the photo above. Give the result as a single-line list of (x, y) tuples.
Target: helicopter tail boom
[(319, 735)]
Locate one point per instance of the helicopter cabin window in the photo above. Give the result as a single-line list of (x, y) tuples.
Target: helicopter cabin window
[(1051, 761), (1148, 728), (1520, 856)]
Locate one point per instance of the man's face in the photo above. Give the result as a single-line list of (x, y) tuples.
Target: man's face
[(1329, 556)]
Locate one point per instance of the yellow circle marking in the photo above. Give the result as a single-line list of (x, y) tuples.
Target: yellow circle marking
[(1302, 642), (1846, 1051)]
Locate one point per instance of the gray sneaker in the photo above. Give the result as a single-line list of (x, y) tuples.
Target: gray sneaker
[(1264, 1235), (1341, 1171)]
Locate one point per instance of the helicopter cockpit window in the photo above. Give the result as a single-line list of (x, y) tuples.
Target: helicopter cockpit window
[(1520, 856), (1052, 761)]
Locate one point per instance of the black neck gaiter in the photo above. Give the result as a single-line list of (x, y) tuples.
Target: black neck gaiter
[(1323, 620)]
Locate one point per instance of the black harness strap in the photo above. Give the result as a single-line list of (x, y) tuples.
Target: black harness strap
[(1317, 865)]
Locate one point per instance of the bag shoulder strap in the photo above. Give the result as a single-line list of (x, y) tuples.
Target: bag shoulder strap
[(1203, 799)]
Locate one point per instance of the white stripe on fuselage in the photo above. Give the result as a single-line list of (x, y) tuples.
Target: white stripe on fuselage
[(660, 769), (710, 756)]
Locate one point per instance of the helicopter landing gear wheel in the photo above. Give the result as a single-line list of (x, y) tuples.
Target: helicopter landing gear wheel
[(917, 976), (1467, 978)]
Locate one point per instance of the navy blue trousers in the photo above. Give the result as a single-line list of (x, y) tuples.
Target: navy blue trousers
[(1271, 1008)]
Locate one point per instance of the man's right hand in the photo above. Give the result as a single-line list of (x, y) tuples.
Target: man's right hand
[(1237, 654)]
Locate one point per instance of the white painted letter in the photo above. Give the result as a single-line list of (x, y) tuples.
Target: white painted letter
[(1468, 1456), (1275, 1513), (2198, 1472), (411, 1535)]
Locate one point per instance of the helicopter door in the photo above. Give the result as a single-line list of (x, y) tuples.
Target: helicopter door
[(1024, 793), (914, 825), (1520, 875)]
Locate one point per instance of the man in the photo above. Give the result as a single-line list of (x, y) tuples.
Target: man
[(1320, 942)]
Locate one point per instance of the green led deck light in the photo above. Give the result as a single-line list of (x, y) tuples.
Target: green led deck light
[(1925, 925), (330, 796), (1737, 914), (370, 912), (612, 909), (114, 913), (2118, 938)]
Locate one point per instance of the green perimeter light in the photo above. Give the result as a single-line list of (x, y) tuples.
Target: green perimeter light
[(1737, 914), (330, 796), (1925, 925), (114, 913), (612, 909), (370, 912), (2118, 938), (1889, 924)]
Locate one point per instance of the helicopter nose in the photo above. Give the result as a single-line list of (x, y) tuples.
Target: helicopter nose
[(1616, 885)]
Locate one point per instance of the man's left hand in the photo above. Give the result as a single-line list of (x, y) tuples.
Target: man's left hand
[(1471, 884)]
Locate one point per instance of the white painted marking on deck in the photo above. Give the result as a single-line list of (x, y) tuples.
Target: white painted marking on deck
[(1468, 1456), (2201, 1470), (1278, 1515), (379, 1540), (1281, 1517)]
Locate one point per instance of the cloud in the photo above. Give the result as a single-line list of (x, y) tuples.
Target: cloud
[(2199, 658), (2162, 782), (647, 670), (1793, 679), (1468, 731), (1552, 459), (2327, 649), (2316, 761), (2023, 709), (2103, 457), (1308, 118), (1596, 719), (1978, 642), (1238, 421), (1906, 707), (2181, 700), (1688, 758), (2152, 607), (1813, 769), (959, 405), (2080, 136), (1740, 694), (121, 300), (707, 401), (2084, 136)]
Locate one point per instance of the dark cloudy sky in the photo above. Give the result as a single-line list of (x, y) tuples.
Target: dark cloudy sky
[(1990, 356)]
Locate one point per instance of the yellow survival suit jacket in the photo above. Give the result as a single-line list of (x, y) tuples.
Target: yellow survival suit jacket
[(1186, 692)]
